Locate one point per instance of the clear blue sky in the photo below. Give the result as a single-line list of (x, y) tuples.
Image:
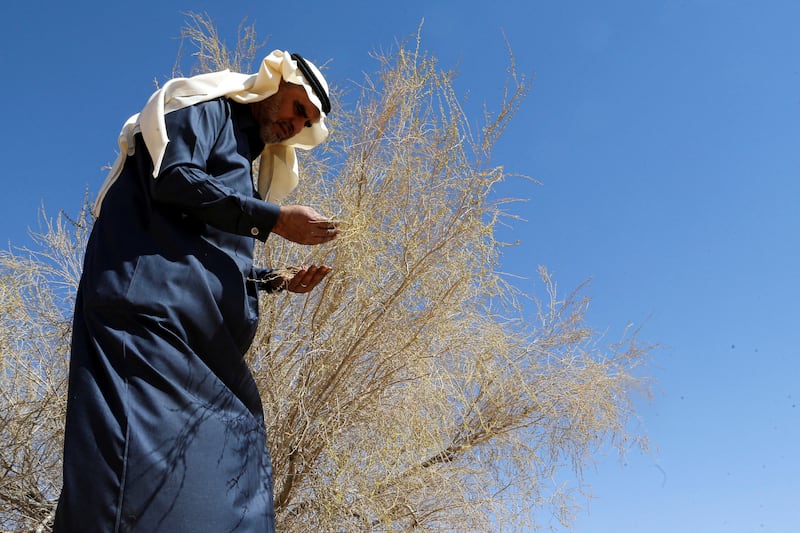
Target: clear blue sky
[(665, 134)]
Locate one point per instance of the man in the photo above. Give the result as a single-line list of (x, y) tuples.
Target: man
[(165, 428)]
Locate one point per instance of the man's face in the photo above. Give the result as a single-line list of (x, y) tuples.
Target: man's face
[(285, 113)]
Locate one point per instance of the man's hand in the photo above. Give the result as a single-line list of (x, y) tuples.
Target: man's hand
[(303, 225), (301, 279)]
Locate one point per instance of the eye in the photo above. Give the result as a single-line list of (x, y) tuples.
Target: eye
[(300, 110)]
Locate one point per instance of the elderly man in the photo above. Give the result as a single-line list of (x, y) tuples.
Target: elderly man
[(165, 428)]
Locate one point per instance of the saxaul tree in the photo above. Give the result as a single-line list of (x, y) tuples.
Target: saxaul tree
[(418, 389), (37, 288), (414, 392)]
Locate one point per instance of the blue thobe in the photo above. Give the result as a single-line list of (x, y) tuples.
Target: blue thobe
[(165, 428)]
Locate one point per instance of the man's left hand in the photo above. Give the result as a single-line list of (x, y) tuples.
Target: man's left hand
[(306, 278)]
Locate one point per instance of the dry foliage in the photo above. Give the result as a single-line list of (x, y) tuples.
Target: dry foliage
[(210, 51), (37, 288), (410, 391)]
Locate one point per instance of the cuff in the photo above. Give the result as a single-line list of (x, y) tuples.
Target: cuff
[(263, 279), (258, 218)]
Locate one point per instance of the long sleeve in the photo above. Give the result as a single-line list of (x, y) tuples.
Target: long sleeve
[(204, 173)]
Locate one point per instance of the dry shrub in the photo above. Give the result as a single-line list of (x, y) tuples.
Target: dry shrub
[(415, 388), (411, 391), (37, 288)]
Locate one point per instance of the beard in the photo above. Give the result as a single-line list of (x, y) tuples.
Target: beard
[(269, 108)]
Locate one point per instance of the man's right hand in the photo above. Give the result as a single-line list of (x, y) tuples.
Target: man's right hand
[(303, 225)]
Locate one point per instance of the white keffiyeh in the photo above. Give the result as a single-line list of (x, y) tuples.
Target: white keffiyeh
[(278, 172)]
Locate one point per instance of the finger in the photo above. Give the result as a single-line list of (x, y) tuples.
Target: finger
[(327, 237), (318, 275), (304, 279), (311, 278), (327, 233), (313, 275), (297, 282), (326, 227)]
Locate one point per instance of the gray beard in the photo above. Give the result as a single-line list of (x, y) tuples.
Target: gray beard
[(269, 109), (268, 136)]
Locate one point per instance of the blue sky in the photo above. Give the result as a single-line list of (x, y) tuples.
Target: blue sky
[(664, 134)]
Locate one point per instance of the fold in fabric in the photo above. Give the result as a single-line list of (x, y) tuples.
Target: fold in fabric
[(278, 171)]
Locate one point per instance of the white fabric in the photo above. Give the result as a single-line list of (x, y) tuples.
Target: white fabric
[(278, 171)]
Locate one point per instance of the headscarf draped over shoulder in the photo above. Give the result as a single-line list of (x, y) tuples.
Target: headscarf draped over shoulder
[(278, 171)]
